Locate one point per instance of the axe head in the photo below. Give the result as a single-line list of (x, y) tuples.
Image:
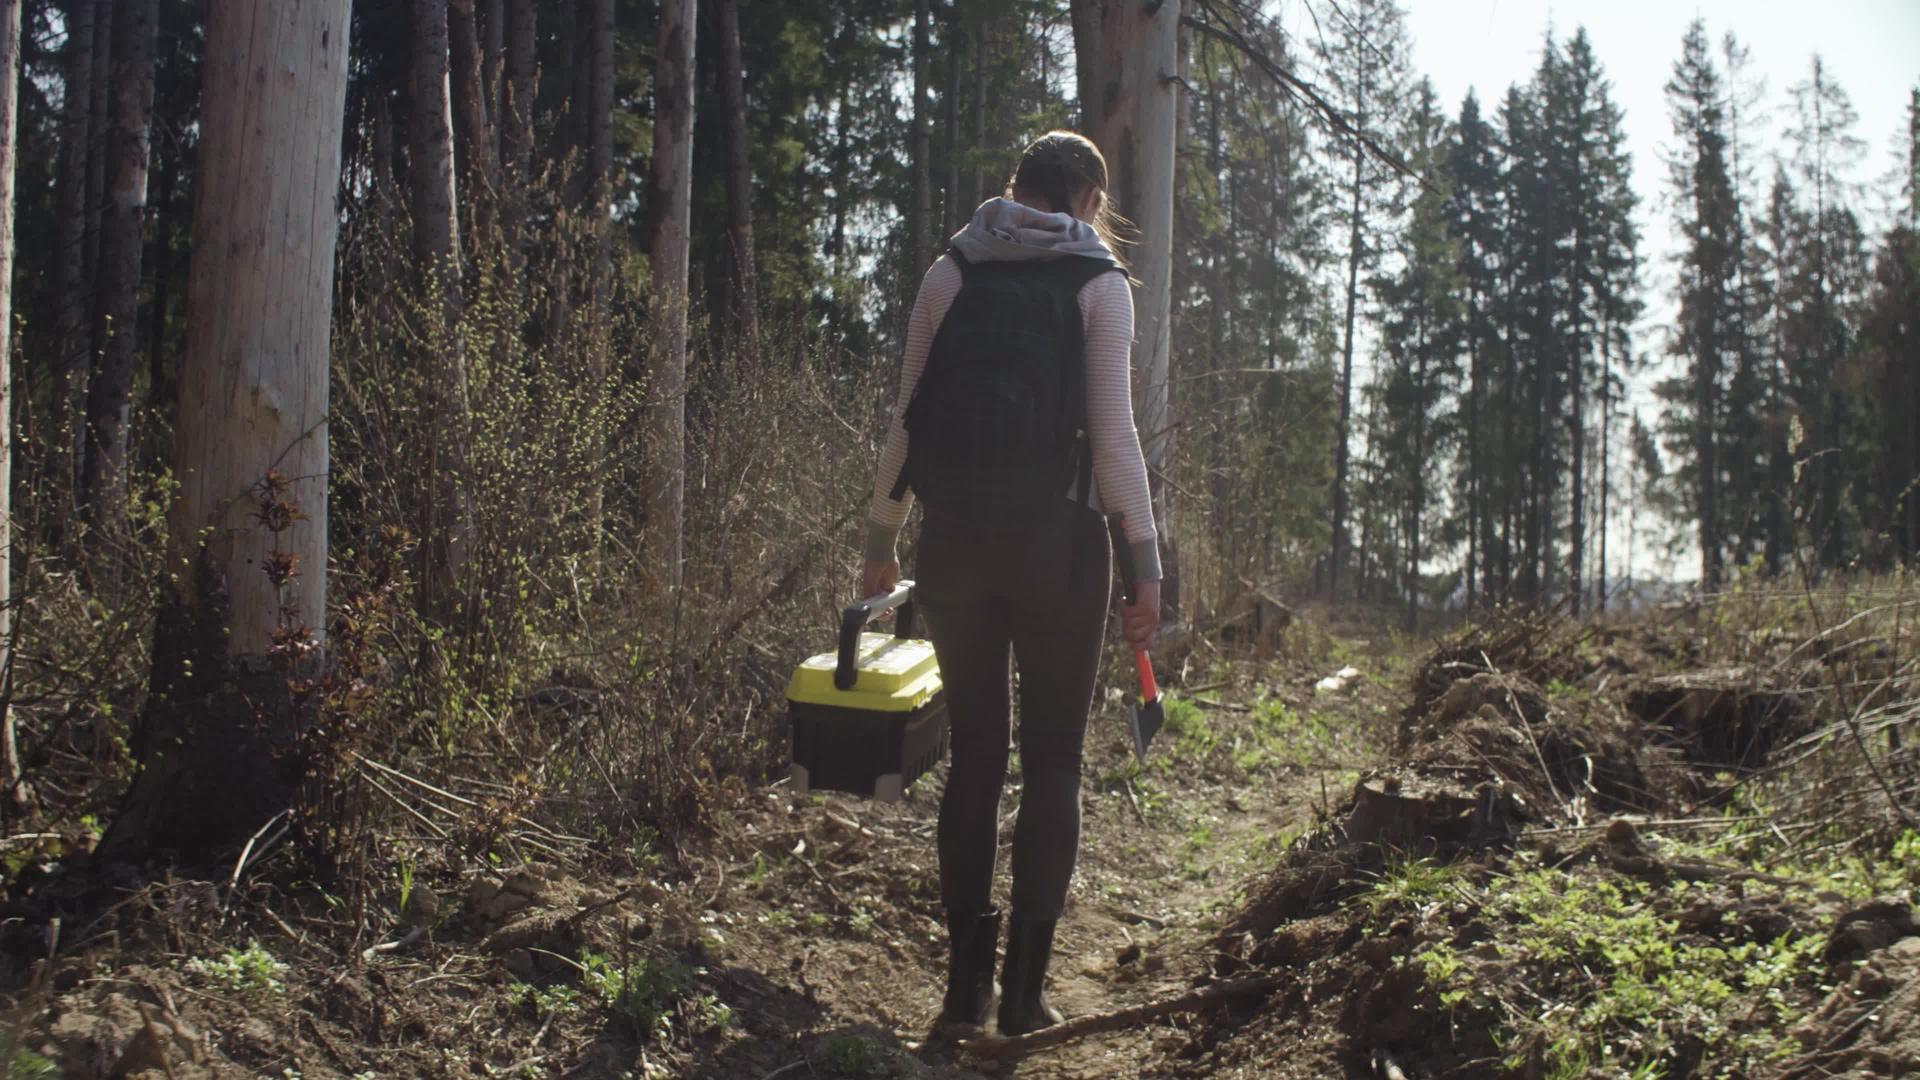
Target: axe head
[(1145, 722)]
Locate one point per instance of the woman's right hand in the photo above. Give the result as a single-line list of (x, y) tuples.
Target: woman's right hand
[(879, 576)]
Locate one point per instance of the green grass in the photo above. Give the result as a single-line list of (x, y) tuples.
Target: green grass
[(1632, 995), (1279, 737)]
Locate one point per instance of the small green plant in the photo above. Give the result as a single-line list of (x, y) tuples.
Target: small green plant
[(244, 971), (1413, 884), (1193, 735), (650, 993), (853, 1056), (559, 1000), (24, 1064), (646, 848)]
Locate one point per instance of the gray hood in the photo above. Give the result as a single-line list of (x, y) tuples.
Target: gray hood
[(1006, 231)]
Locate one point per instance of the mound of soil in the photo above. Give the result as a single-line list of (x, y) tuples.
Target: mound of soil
[(1485, 758), (1870, 1026)]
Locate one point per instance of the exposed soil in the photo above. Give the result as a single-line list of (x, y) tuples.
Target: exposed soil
[(800, 936), (811, 922)]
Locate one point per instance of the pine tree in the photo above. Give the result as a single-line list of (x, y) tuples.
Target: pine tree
[(1363, 63), (1421, 331), (1751, 438), (1819, 295), (1532, 298), (1474, 189), (1705, 204)]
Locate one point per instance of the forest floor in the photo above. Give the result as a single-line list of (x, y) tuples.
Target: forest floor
[(1478, 857)]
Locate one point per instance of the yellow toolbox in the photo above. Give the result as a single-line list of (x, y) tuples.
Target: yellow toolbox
[(870, 717)]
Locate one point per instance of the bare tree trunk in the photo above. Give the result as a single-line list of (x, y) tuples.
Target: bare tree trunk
[(475, 137), (10, 771), (1127, 57), (1342, 452), (516, 121), (580, 100), (100, 97), (1606, 468), (110, 392), (920, 214), (672, 184), (436, 241), (744, 292), (251, 433), (954, 46), (600, 214), (72, 292), (493, 62), (445, 528)]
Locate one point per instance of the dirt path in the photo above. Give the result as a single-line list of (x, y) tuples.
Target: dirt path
[(827, 926)]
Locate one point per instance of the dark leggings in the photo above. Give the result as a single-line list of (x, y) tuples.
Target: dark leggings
[(990, 593)]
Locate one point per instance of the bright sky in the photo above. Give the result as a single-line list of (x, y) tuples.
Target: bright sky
[(1871, 49)]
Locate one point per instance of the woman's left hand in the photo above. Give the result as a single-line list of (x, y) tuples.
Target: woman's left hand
[(879, 576)]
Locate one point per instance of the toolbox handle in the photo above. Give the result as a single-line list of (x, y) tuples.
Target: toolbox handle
[(855, 619)]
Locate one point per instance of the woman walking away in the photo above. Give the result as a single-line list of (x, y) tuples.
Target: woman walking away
[(1014, 429)]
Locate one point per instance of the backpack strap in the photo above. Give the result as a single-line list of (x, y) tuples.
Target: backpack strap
[(1083, 466)]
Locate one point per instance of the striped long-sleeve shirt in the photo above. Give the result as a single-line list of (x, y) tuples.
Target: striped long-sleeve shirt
[(1119, 469)]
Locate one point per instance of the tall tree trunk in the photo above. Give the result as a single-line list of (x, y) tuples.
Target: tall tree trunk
[(10, 771), (1476, 382), (671, 197), (515, 121), (160, 389), (954, 46), (493, 63), (920, 215), (600, 215), (1342, 435), (97, 107), (251, 434), (1577, 434), (580, 97), (474, 140), (72, 291), (743, 291), (436, 239), (445, 525), (110, 392), (1606, 456), (1128, 53), (1417, 488)]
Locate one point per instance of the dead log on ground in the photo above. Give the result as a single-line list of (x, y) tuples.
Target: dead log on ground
[(994, 1046)]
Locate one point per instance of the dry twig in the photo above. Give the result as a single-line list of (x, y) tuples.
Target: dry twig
[(1118, 1019)]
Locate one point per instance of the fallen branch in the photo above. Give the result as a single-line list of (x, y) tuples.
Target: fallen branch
[(1080, 1027)]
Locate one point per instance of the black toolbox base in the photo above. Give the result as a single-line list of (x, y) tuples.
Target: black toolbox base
[(872, 754)]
